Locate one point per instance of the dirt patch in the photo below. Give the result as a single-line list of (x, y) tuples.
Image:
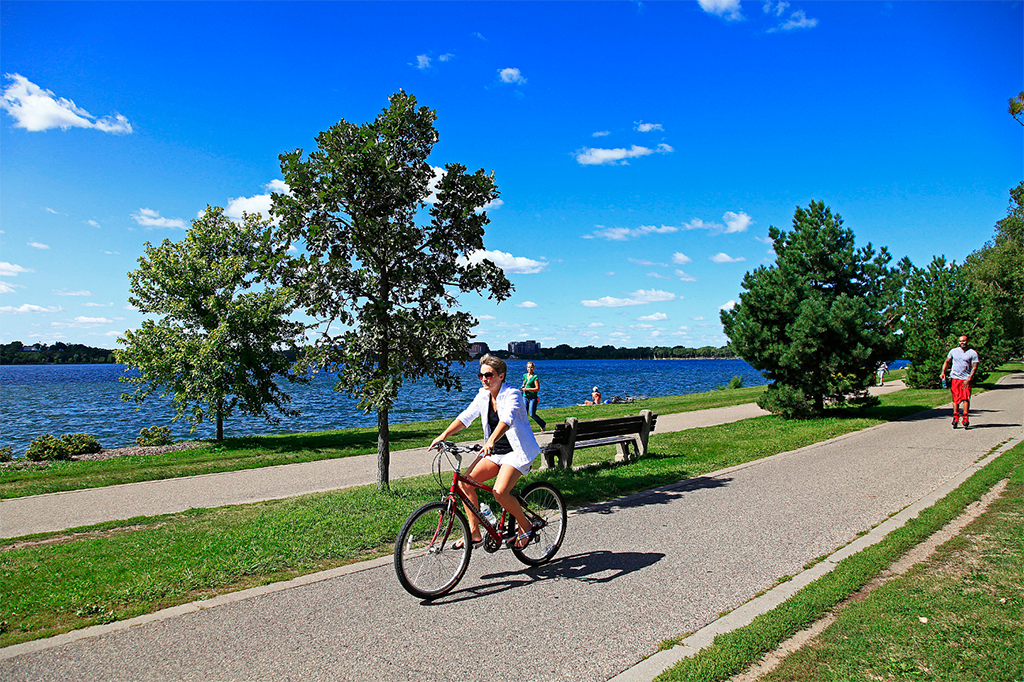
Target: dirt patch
[(65, 538)]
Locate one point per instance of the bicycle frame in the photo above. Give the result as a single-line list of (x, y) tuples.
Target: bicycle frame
[(456, 492)]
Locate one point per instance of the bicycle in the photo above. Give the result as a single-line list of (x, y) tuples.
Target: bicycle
[(426, 560)]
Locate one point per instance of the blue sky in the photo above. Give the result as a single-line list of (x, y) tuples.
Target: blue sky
[(642, 150)]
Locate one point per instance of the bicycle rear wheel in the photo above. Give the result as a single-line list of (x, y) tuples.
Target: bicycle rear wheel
[(426, 561), (542, 502)]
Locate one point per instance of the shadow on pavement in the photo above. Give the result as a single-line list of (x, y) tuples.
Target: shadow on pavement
[(659, 496), (600, 566)]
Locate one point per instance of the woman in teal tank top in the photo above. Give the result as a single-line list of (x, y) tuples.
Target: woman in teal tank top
[(531, 387)]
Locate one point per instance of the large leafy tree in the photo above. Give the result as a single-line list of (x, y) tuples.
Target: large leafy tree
[(818, 321), (216, 347), (383, 258), (943, 303), (997, 269)]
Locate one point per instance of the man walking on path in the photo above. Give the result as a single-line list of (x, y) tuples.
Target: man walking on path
[(965, 364)]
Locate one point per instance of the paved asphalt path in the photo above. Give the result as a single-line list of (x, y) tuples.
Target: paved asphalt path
[(630, 574)]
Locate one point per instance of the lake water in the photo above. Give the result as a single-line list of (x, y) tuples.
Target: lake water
[(57, 399)]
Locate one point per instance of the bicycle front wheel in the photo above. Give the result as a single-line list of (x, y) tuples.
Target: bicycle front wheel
[(426, 560), (542, 502)]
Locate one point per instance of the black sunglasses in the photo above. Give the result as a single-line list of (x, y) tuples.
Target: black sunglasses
[(485, 374)]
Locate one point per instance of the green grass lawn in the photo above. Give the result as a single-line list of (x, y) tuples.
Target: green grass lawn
[(121, 569)]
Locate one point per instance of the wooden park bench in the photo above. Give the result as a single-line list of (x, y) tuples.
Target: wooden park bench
[(621, 431)]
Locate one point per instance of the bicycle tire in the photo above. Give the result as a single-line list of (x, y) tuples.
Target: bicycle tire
[(426, 561), (544, 500)]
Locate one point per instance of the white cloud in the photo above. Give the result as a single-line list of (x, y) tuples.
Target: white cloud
[(656, 317), (486, 317), (602, 133), (151, 219), (730, 9), (29, 308), (685, 277), (90, 304), (621, 234), (511, 76), (446, 57), (637, 261), (422, 61), (589, 156), (697, 319), (648, 127), (81, 322), (36, 109), (6, 288), (727, 306), (681, 258), (595, 324), (640, 297), (527, 304), (777, 9), (658, 275), (725, 258), (736, 222), (509, 263), (65, 292), (258, 204), (93, 223), (37, 245), (11, 270), (796, 20)]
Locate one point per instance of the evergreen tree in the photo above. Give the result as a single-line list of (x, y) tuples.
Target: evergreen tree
[(942, 304), (818, 321)]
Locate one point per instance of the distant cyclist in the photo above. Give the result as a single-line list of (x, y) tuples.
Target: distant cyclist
[(965, 364), (509, 448)]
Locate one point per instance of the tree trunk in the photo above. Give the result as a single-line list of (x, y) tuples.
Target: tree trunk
[(220, 427), (383, 451)]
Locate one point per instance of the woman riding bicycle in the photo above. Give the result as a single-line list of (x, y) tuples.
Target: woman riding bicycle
[(509, 448)]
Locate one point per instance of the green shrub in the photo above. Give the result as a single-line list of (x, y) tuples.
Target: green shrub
[(49, 448), (786, 401), (736, 382), (6, 453), (158, 435)]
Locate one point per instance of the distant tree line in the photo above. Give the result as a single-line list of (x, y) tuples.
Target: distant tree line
[(17, 353), (566, 352)]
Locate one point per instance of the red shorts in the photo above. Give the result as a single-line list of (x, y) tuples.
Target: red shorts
[(961, 390)]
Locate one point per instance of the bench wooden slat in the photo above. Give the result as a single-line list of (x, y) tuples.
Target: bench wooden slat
[(575, 434)]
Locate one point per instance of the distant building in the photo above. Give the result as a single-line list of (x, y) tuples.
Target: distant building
[(478, 348), (524, 347)]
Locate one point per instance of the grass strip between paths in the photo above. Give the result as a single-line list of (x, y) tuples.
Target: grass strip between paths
[(734, 652), (57, 582)]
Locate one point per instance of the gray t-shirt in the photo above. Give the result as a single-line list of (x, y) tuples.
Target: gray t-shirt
[(962, 361)]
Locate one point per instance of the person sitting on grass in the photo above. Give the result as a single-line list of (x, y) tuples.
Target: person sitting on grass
[(595, 397)]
